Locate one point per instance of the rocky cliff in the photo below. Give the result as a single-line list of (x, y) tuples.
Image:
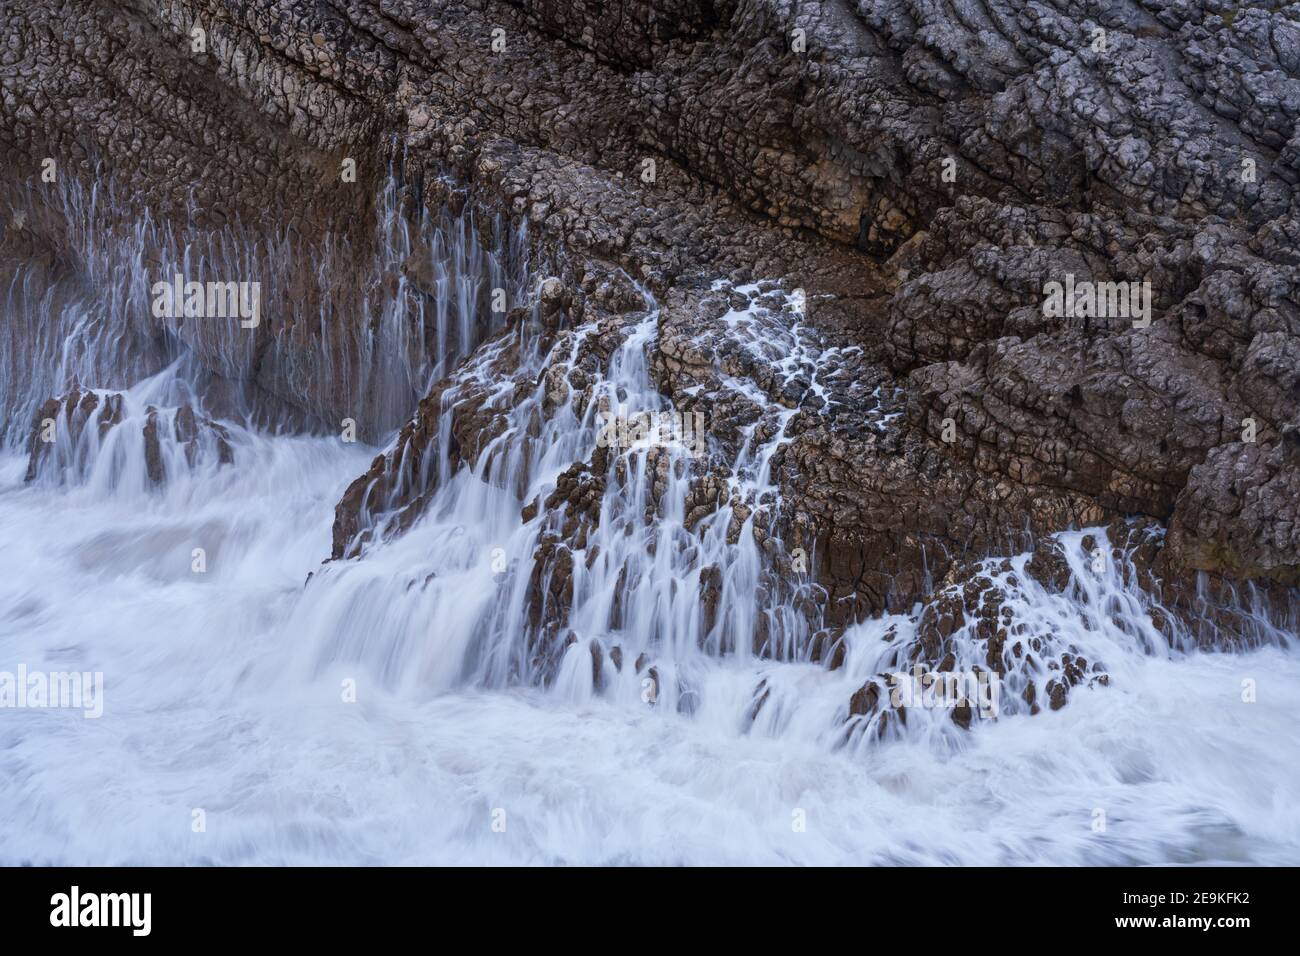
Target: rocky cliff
[(849, 214)]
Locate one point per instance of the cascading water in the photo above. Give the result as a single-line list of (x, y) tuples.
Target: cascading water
[(355, 328), (420, 703)]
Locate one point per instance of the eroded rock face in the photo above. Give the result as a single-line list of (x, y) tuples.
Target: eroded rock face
[(1239, 513), (921, 173)]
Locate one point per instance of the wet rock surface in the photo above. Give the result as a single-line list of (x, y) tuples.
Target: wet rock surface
[(84, 431), (848, 214)]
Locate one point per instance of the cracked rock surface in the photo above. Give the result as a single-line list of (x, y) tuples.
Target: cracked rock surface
[(921, 171)]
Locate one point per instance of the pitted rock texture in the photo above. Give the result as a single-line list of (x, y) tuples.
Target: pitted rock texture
[(921, 171)]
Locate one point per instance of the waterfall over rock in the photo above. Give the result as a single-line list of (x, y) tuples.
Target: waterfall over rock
[(653, 441)]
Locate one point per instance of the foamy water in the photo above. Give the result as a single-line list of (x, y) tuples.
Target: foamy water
[(401, 707), (205, 709)]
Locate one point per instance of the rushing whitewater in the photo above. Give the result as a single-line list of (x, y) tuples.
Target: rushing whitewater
[(410, 704)]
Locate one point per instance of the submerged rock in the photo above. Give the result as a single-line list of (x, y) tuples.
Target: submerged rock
[(77, 432)]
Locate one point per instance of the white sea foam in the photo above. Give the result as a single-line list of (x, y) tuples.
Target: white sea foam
[(392, 709)]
